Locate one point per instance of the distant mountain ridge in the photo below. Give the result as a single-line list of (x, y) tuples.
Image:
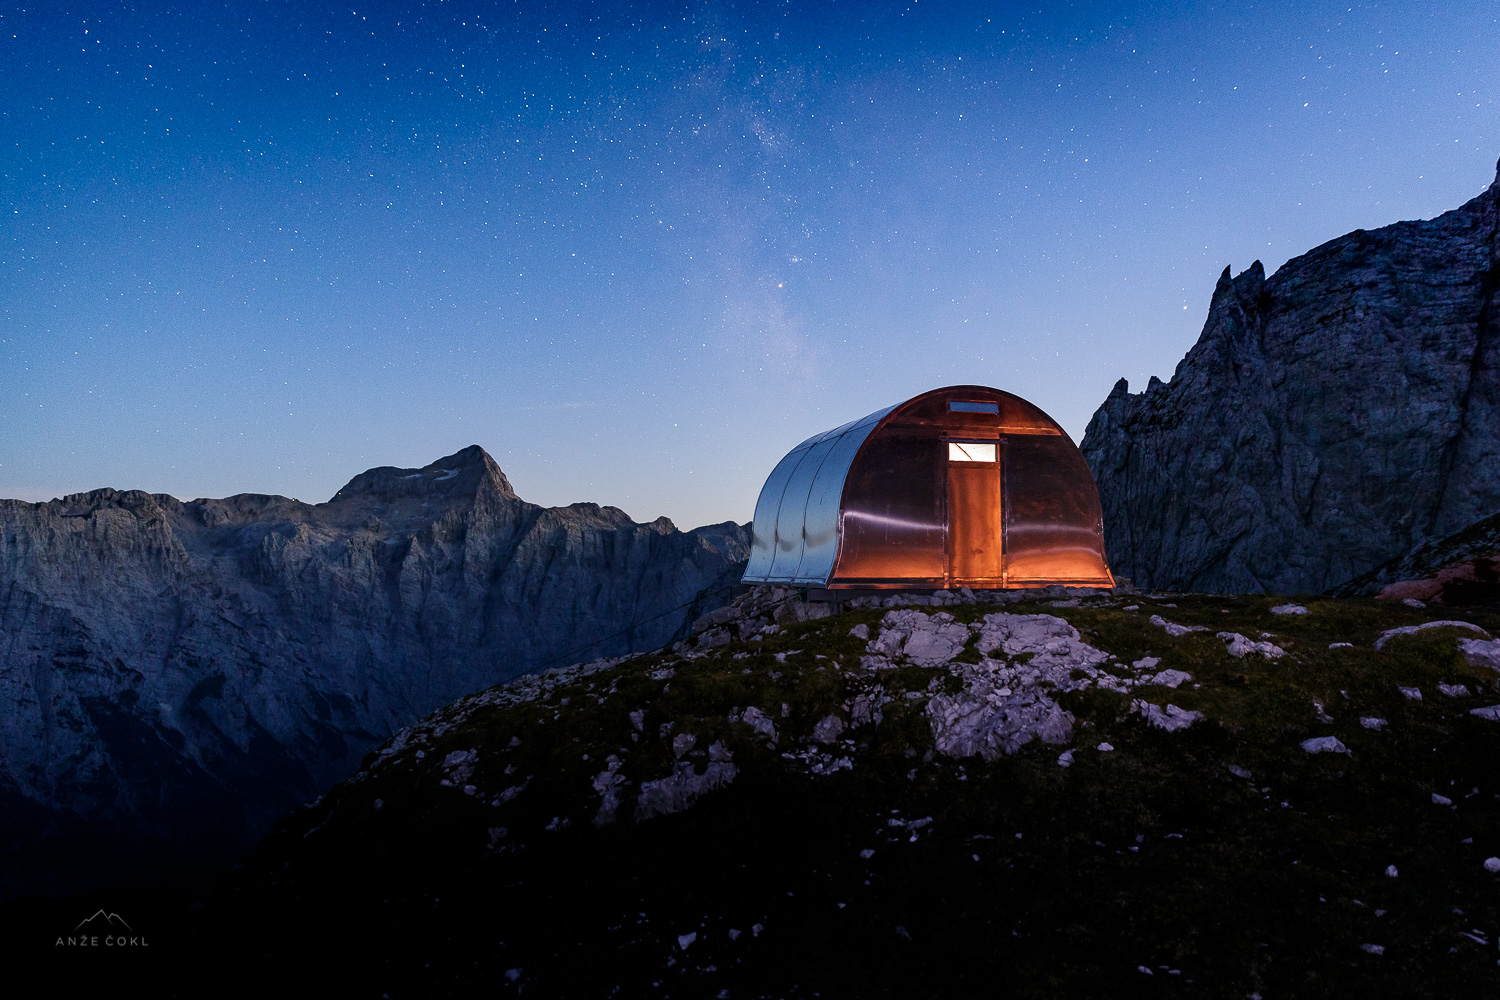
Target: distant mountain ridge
[(1331, 417), (173, 676)]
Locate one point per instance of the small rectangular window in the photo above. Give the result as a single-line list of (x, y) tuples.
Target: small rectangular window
[(959, 406), (970, 451)]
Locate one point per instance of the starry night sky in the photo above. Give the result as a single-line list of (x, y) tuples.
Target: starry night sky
[(639, 251)]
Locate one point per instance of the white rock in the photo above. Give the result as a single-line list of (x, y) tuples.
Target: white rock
[(867, 853), (1057, 644), (1324, 744), (1146, 663), (1171, 678), (1065, 759), (1390, 871), (1105, 748), (683, 940), (1372, 722), (1170, 718), (1411, 694), (865, 708), (682, 743), (1412, 602), (717, 751), (1453, 690), (459, 766), (860, 631), (1004, 706), (970, 723), (1491, 712), (1492, 865), (760, 722), (1289, 609), (638, 719), (1240, 647), (509, 794), (926, 640), (1172, 629), (1441, 800), (1481, 652), (828, 729), (1390, 634), (677, 791), (1341, 645), (610, 785), (1373, 949)]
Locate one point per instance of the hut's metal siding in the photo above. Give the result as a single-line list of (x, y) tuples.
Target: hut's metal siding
[(795, 537), (763, 541)]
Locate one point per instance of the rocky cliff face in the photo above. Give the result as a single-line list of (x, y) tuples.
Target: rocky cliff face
[(175, 675), (1330, 417)]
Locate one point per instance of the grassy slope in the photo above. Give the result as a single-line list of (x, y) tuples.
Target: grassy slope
[(1031, 880)]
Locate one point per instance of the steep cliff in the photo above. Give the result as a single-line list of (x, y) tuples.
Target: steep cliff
[(1330, 417), (173, 676)]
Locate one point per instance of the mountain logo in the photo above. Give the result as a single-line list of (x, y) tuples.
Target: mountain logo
[(103, 921), (102, 930)]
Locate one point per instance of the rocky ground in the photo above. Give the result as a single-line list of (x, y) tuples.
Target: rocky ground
[(1061, 795)]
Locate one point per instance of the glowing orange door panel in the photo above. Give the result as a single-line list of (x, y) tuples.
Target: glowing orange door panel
[(974, 522)]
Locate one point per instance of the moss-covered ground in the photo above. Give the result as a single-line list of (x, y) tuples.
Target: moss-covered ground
[(1217, 861)]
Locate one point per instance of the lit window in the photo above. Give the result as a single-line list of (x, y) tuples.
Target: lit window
[(958, 406), (970, 451)]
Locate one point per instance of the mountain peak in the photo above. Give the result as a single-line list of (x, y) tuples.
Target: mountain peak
[(465, 473)]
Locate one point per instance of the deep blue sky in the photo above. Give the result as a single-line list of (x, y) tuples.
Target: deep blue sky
[(637, 252)]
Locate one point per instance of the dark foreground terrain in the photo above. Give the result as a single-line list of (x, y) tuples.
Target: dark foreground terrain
[(730, 840)]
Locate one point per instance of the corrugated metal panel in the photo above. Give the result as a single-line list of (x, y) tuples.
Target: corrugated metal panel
[(795, 535), (821, 526), (763, 531), (791, 520)]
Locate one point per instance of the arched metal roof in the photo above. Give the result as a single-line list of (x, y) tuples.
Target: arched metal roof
[(796, 532)]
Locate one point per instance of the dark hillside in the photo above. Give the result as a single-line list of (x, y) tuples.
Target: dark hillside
[(1095, 796)]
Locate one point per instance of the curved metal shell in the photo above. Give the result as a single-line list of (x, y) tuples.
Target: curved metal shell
[(961, 486), (796, 531)]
